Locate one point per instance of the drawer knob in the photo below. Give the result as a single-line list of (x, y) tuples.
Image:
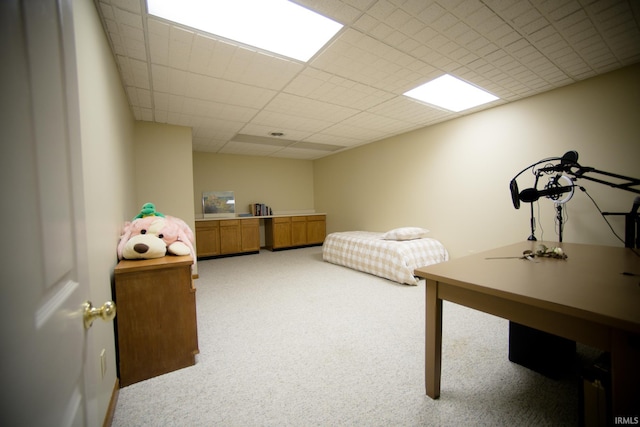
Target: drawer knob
[(90, 313)]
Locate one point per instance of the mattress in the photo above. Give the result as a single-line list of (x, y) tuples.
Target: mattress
[(395, 260)]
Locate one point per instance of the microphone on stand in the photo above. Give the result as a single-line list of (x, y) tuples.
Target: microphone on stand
[(567, 161), (530, 195)]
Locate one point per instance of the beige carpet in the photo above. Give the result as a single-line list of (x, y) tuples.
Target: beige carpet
[(289, 340)]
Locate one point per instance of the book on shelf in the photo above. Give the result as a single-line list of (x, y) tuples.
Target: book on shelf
[(260, 209)]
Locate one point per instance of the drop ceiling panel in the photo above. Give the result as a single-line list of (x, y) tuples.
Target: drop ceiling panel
[(342, 92), (256, 129), (283, 122), (297, 106), (350, 93), (245, 148)]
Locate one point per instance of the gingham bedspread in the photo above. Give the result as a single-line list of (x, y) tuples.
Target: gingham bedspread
[(394, 260)]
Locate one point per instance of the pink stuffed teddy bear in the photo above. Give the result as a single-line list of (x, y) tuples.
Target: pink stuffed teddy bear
[(154, 237)]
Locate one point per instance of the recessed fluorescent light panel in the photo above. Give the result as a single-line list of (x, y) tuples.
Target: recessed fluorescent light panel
[(277, 26), (451, 93)]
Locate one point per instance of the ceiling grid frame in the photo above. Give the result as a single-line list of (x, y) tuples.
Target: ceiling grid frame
[(350, 92)]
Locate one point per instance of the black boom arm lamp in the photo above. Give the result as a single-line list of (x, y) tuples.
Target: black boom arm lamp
[(569, 170)]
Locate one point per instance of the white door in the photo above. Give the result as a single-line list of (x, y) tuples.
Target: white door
[(44, 279)]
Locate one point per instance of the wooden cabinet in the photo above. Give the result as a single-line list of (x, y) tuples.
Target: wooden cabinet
[(227, 237), (156, 319), (218, 237), (230, 237), (294, 231), (316, 229), (277, 232), (207, 238), (250, 234), (298, 230)]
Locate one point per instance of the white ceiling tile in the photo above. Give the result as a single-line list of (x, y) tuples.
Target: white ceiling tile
[(160, 116), (366, 23), (506, 38), (467, 8), (381, 30), (234, 147), (413, 27), (125, 70), (145, 115), (140, 72), (321, 137), (360, 4), (129, 20), (181, 36), (158, 51), (219, 129), (113, 29), (381, 9), (106, 11), (130, 5), (407, 110), (398, 18), (218, 90), (564, 10), (161, 101), (158, 28), (258, 69), (265, 131), (284, 122), (412, 7), (351, 93), (432, 13), (136, 50), (305, 107), (144, 98)]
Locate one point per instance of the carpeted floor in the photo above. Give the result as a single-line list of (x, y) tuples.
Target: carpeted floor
[(289, 340)]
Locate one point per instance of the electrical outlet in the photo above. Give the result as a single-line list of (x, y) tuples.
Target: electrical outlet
[(103, 362)]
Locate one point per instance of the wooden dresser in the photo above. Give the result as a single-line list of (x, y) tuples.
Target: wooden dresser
[(156, 320)]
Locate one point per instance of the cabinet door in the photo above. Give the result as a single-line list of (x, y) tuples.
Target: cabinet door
[(298, 230), (250, 235), (230, 237), (281, 232), (207, 238), (316, 229)]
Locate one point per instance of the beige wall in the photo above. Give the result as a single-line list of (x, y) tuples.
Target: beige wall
[(164, 169), (285, 185), (126, 164), (107, 133), (453, 177)]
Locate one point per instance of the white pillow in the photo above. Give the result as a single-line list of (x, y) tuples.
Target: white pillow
[(405, 233)]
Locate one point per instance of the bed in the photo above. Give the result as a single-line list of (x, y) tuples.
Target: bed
[(393, 255)]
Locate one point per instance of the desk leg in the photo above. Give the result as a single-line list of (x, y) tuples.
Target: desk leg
[(433, 340), (625, 374)]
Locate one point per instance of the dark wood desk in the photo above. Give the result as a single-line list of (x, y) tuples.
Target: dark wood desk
[(585, 298)]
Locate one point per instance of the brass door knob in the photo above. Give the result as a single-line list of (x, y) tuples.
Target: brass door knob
[(90, 313)]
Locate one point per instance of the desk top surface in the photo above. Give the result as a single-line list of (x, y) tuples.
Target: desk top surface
[(601, 283)]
